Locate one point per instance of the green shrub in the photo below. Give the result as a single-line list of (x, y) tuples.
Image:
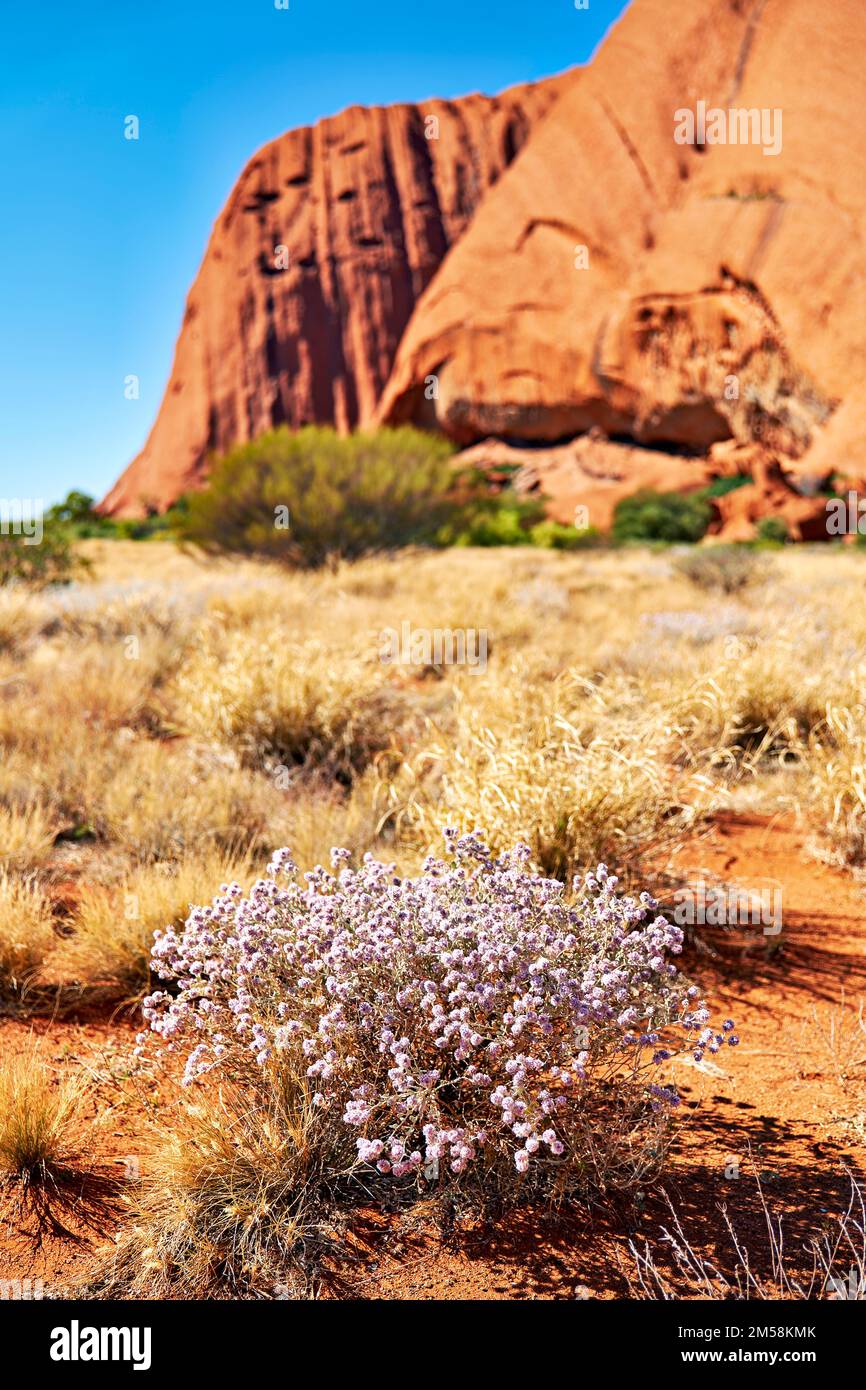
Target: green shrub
[(302, 498), (77, 515), (720, 487), (154, 526), (725, 568), (661, 516), (773, 530), (552, 535), (52, 561), (485, 516), (497, 521)]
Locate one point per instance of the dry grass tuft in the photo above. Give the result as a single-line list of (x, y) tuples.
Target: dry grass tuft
[(755, 704), (26, 934), (40, 1118), (838, 783), (26, 837), (239, 1198), (113, 927), (22, 616), (565, 774), (282, 703)]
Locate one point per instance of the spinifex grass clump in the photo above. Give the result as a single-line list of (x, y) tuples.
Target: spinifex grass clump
[(26, 933), (37, 1120), (469, 1025)]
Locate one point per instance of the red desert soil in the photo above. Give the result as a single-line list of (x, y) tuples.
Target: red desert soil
[(787, 1104)]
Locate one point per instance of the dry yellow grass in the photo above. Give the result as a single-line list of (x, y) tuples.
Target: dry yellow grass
[(22, 615), (177, 720), (114, 926), (26, 932), (236, 1193), (171, 711), (283, 703), (576, 772), (40, 1118), (838, 782), (26, 836)]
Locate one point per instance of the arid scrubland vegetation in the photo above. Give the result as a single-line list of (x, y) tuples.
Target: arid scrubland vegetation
[(433, 721), (168, 723)]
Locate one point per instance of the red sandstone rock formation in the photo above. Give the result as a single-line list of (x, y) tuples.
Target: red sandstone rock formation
[(555, 262), (313, 269), (590, 472), (721, 293)]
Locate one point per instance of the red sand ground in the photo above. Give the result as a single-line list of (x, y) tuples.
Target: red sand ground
[(789, 1103)]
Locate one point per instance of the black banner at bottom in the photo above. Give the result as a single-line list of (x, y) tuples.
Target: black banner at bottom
[(64, 1340)]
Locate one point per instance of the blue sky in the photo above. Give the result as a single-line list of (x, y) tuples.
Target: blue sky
[(100, 237)]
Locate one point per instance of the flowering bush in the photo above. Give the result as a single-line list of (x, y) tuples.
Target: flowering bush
[(468, 1021)]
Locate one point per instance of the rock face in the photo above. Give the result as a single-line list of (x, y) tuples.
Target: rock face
[(593, 275), (590, 472), (331, 235), (721, 291)]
